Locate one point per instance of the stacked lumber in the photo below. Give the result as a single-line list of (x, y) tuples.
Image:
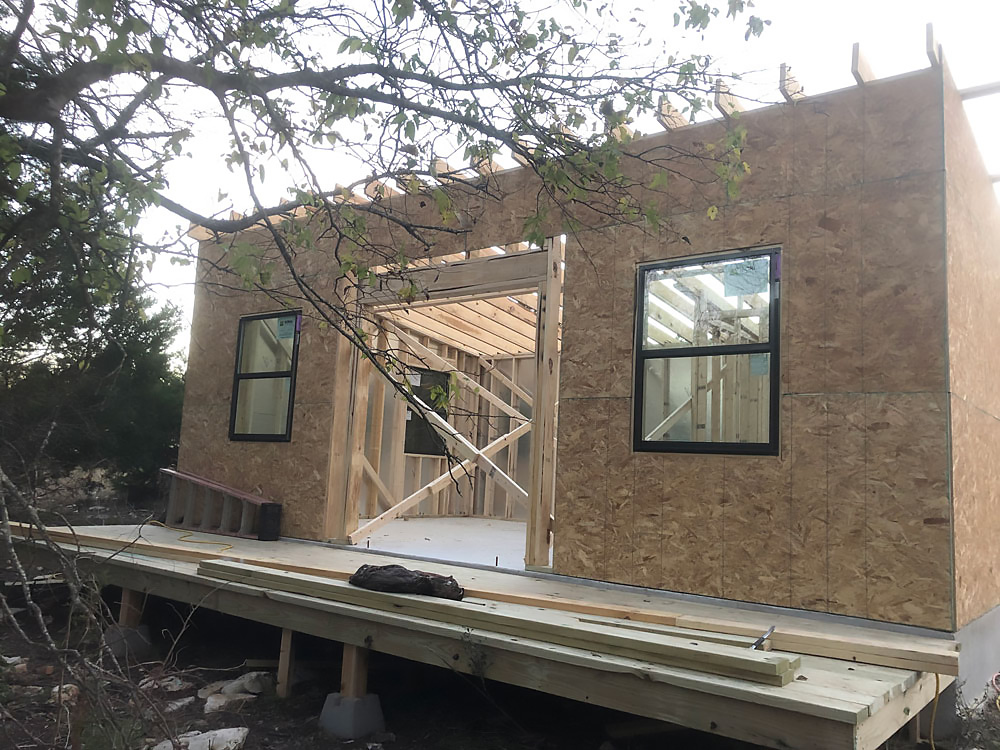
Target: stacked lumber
[(729, 656)]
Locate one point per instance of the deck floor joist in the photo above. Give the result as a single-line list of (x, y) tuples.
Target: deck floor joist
[(832, 703)]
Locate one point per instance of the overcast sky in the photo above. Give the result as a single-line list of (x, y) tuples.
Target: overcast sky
[(815, 37)]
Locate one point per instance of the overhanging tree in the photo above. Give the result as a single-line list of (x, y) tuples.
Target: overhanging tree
[(98, 97)]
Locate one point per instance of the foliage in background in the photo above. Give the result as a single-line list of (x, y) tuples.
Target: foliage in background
[(119, 411)]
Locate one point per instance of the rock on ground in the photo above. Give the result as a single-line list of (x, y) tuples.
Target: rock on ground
[(217, 739), (220, 701)]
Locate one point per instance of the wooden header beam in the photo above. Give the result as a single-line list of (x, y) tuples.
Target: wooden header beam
[(480, 277)]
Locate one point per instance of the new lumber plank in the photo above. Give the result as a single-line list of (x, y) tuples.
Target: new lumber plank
[(704, 635), (701, 656), (924, 659)]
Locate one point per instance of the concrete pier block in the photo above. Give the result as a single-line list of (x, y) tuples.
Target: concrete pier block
[(351, 718)]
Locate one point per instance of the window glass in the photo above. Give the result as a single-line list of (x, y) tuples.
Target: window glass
[(420, 438), (709, 303), (267, 344), (707, 399), (262, 406)]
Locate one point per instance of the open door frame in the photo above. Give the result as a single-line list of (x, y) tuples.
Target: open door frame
[(516, 273)]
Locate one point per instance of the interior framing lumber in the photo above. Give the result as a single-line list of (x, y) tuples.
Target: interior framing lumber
[(428, 490), (545, 411)]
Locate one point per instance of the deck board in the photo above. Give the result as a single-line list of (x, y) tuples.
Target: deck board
[(853, 704)]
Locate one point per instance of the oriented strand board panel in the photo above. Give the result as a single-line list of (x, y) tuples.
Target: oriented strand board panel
[(854, 515), (292, 473), (976, 479), (582, 488), (974, 344), (908, 513), (584, 370)]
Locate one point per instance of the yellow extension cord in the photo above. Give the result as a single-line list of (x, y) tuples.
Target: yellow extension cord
[(185, 535), (937, 693)]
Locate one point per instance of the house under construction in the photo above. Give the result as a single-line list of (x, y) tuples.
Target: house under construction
[(668, 440)]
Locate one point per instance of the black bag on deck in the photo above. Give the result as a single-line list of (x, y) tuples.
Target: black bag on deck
[(395, 579)]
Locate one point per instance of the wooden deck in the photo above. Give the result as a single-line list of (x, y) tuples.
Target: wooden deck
[(843, 702)]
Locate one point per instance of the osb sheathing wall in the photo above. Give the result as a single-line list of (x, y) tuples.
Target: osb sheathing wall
[(854, 515), (973, 229), (294, 473)]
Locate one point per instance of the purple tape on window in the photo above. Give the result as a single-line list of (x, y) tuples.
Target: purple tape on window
[(776, 259), (298, 323)]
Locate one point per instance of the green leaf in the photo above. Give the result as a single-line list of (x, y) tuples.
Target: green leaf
[(571, 55), (713, 213), (20, 275)]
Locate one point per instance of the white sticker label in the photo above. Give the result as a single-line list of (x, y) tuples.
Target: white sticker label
[(760, 364), (286, 327), (414, 379)]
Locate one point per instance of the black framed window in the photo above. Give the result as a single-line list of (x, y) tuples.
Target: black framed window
[(420, 438), (264, 381), (707, 354)]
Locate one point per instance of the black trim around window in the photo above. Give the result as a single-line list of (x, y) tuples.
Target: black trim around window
[(771, 347), (239, 377)]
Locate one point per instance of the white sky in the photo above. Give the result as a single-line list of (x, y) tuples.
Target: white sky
[(813, 36)]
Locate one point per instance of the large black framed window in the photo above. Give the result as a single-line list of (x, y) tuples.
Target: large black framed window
[(707, 354), (264, 381)]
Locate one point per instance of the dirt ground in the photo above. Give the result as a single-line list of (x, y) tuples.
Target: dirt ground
[(425, 708)]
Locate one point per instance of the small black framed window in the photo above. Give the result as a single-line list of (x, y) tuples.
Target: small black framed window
[(264, 381), (707, 354), (420, 438)]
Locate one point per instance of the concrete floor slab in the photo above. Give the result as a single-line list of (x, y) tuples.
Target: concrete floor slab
[(480, 541)]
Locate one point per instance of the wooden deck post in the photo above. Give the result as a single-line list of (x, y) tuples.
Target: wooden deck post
[(130, 612), (543, 413), (354, 672), (286, 662)]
